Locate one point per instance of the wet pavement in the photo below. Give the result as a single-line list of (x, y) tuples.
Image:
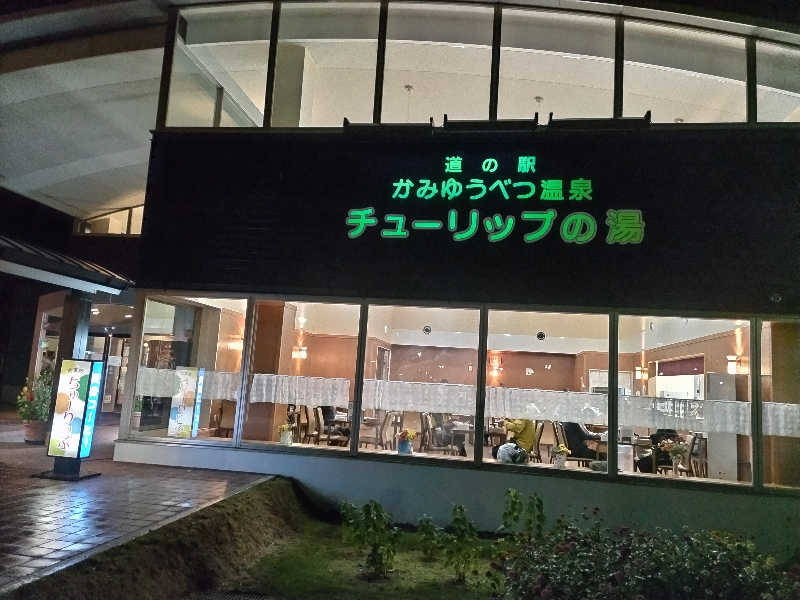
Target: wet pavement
[(46, 525)]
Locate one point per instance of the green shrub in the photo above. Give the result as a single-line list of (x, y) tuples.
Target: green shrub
[(461, 544), (371, 527), (432, 538), (35, 399), (597, 562)]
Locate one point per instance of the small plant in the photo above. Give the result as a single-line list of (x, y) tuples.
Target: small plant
[(522, 525), (561, 450), (432, 537), (461, 544), (33, 401), (675, 448), (406, 435), (285, 427), (371, 527)]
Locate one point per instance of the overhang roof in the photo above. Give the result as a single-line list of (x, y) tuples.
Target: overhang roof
[(34, 262)]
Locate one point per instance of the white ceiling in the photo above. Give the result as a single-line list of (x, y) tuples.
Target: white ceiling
[(76, 135), (508, 330)]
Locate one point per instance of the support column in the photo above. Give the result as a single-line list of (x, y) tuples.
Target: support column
[(72, 342)]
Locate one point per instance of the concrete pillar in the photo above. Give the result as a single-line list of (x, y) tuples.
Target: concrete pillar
[(288, 94), (74, 326)]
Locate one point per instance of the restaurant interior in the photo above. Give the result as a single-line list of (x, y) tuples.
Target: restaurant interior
[(684, 387)]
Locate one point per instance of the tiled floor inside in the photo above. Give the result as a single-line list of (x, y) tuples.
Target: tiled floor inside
[(46, 525)]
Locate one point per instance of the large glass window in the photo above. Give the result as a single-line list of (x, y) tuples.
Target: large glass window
[(438, 60), (778, 75), (780, 397), (555, 62), (302, 373), (547, 385), (420, 374), (189, 373), (683, 75), (687, 412), (325, 64), (219, 68)]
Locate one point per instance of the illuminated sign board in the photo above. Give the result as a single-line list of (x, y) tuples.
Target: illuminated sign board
[(77, 397), (184, 402), (533, 204), (198, 402), (95, 382)]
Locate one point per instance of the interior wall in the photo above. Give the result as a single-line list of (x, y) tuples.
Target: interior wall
[(438, 365), (560, 376), (715, 348)]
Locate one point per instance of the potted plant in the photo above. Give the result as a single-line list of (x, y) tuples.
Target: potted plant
[(136, 415), (286, 434), (404, 441), (560, 454), (33, 407), (676, 450)]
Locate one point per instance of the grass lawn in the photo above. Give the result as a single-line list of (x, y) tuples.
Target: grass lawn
[(316, 563)]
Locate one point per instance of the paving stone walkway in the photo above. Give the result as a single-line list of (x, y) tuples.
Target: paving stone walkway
[(46, 525)]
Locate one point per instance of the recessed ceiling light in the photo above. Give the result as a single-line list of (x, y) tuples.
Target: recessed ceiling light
[(128, 316)]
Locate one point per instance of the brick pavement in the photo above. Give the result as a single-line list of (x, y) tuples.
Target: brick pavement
[(46, 525)]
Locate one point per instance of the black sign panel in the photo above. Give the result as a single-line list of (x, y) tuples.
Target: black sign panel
[(695, 219)]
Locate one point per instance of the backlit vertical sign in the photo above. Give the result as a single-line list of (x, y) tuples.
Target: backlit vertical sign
[(77, 395), (91, 408), (198, 402), (182, 408)]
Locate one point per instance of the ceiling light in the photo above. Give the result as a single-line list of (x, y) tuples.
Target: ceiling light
[(128, 316), (95, 311)]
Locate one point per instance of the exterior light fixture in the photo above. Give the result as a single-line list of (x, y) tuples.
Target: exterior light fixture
[(300, 352), (638, 372), (733, 360)]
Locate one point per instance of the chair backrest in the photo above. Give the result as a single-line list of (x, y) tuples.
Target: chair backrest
[(388, 419), (228, 410), (685, 459), (425, 431), (558, 433), (536, 451), (319, 420), (698, 456)]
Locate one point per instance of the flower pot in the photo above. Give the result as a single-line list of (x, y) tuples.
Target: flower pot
[(560, 461), (286, 438), (35, 431), (404, 447), (136, 418)]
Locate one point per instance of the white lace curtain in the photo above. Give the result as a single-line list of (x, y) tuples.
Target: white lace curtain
[(716, 416)]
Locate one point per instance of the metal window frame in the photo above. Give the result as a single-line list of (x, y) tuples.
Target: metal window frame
[(619, 55)]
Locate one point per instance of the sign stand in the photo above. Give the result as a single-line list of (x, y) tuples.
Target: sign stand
[(72, 429)]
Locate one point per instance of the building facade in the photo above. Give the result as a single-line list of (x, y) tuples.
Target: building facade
[(465, 219)]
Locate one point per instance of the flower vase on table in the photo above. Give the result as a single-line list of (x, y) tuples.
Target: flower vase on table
[(286, 435), (560, 454), (404, 441)]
